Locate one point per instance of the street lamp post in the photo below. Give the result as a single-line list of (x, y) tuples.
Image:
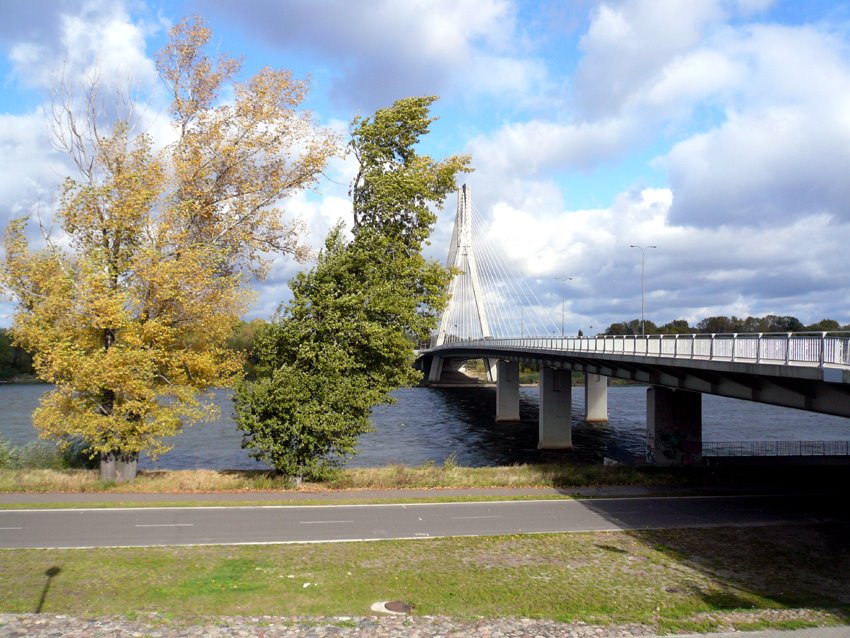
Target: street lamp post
[(643, 250), (564, 281)]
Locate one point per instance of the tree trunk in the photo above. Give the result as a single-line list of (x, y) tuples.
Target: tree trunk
[(107, 467), (119, 467)]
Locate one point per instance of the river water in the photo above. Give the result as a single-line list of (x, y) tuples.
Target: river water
[(430, 424)]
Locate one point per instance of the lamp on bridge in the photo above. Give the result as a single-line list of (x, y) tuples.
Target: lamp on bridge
[(643, 250), (564, 281)]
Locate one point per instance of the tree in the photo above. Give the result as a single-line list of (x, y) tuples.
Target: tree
[(785, 323), (13, 359), (345, 341), (719, 324), (632, 327), (131, 320), (242, 340), (824, 325), (617, 329), (677, 326)]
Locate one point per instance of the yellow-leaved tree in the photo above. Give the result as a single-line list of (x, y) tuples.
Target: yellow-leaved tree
[(129, 315)]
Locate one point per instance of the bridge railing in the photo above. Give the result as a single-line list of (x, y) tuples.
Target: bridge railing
[(791, 348)]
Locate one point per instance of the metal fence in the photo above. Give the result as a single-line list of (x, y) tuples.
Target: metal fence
[(775, 448), (630, 455), (792, 348)]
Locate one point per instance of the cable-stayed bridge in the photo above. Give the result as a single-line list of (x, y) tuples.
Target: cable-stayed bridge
[(495, 316), (487, 298)]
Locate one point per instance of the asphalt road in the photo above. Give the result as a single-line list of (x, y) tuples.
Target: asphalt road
[(137, 527)]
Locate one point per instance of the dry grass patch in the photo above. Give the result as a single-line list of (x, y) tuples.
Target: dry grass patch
[(176, 481), (48, 481), (391, 477), (526, 475)]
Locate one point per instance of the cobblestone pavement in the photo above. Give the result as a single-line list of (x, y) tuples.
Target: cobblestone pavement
[(156, 626), (153, 626)]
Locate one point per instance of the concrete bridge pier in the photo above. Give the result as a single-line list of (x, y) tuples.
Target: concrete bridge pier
[(673, 426), (507, 391), (492, 366), (595, 398), (436, 368), (555, 430)]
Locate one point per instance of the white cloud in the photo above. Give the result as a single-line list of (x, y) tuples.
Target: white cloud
[(687, 80), (760, 168), (81, 40), (386, 50), (628, 43), (781, 150), (502, 77), (30, 171), (535, 146)]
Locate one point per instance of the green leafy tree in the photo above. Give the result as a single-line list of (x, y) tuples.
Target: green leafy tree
[(14, 360), (631, 328), (677, 326), (784, 323), (344, 342), (824, 325), (242, 340), (719, 324)]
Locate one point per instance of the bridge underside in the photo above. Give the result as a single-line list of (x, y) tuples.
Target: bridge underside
[(674, 397)]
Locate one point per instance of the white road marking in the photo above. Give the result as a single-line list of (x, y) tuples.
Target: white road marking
[(459, 518), (2, 528), (168, 525), (321, 522)]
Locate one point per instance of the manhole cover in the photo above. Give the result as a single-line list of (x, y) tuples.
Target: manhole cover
[(398, 607)]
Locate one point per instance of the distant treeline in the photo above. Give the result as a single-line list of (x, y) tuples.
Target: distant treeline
[(13, 360), (768, 323)]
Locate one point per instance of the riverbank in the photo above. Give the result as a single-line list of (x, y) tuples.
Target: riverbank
[(21, 378), (564, 477), (427, 476)]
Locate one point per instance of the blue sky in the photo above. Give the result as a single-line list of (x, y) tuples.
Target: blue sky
[(718, 130)]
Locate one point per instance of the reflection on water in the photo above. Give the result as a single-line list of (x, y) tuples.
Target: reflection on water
[(429, 424)]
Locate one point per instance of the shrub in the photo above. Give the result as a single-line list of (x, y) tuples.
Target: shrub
[(8, 454), (40, 455), (46, 455)]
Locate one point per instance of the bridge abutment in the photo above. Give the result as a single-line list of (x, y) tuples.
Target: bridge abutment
[(673, 426), (507, 391), (555, 430), (595, 398)]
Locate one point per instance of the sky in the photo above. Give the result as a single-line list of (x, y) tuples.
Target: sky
[(716, 130)]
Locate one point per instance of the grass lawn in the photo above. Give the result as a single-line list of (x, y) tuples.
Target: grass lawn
[(672, 579)]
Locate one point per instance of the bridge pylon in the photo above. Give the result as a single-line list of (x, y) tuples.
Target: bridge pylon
[(465, 316)]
